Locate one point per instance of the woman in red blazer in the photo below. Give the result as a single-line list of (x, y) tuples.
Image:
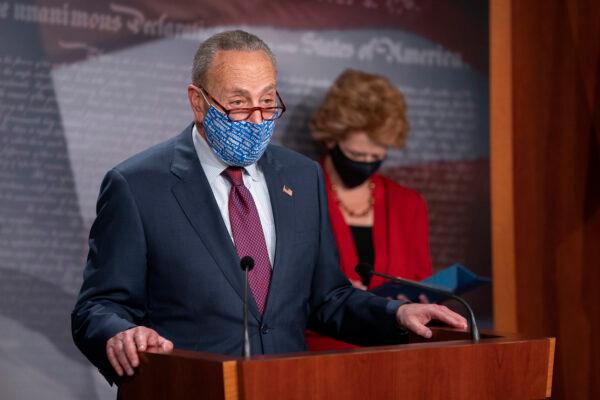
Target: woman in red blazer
[(374, 219)]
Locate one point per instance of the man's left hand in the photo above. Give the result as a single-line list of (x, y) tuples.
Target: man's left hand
[(414, 317)]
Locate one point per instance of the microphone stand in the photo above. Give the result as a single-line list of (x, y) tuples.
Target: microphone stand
[(247, 263), (361, 269)]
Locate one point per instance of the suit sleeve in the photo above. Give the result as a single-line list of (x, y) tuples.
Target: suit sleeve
[(112, 297), (338, 309)]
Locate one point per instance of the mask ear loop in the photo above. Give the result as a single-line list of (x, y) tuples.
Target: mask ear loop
[(199, 124), (203, 96), (208, 102)]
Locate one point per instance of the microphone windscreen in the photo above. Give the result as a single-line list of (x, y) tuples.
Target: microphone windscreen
[(247, 263), (364, 270)]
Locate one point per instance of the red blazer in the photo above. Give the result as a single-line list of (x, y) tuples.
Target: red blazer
[(400, 232), (400, 240)]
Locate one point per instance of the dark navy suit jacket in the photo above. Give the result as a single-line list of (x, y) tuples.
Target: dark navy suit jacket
[(160, 256)]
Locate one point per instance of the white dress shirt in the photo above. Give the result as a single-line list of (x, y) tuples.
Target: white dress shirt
[(254, 180)]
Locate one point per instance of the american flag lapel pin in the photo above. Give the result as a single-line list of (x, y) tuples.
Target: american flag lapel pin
[(288, 190)]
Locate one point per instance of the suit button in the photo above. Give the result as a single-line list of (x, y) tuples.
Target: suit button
[(265, 329)]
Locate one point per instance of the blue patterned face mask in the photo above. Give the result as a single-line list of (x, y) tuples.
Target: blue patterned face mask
[(238, 143)]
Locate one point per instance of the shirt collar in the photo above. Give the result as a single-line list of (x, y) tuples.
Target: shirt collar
[(211, 164)]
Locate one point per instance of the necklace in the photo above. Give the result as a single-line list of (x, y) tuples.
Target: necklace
[(352, 213)]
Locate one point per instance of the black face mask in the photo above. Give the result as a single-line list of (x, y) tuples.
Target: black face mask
[(352, 173)]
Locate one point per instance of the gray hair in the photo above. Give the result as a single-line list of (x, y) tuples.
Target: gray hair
[(228, 40)]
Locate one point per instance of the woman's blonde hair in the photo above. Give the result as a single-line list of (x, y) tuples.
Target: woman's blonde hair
[(362, 102)]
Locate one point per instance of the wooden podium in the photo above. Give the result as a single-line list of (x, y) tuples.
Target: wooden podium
[(448, 366)]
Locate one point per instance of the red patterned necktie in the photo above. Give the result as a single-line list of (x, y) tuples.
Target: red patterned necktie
[(248, 235)]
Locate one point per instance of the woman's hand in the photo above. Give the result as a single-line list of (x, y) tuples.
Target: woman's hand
[(358, 284), (422, 298)]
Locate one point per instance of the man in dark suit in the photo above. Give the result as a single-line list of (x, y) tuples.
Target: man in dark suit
[(174, 221)]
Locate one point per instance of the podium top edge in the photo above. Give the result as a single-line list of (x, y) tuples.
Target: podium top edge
[(489, 338)]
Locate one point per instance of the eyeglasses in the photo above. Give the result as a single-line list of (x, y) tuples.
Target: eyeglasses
[(243, 113)]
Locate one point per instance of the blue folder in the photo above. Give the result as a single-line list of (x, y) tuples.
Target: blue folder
[(456, 279)]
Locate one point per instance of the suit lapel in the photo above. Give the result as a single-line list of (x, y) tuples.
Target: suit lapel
[(282, 205), (195, 197)]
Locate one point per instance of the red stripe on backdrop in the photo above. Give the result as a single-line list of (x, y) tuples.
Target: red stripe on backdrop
[(460, 26)]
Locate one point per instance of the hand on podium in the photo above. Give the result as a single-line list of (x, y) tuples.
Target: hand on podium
[(122, 349), (415, 316)]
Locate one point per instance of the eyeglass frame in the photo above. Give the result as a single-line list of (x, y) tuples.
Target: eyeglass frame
[(250, 110)]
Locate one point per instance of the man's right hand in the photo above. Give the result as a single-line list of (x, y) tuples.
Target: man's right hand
[(122, 349)]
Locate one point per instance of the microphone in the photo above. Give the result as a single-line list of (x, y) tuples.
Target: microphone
[(366, 270), (247, 263)]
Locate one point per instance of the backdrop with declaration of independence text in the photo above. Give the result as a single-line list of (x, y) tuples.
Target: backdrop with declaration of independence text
[(84, 85)]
